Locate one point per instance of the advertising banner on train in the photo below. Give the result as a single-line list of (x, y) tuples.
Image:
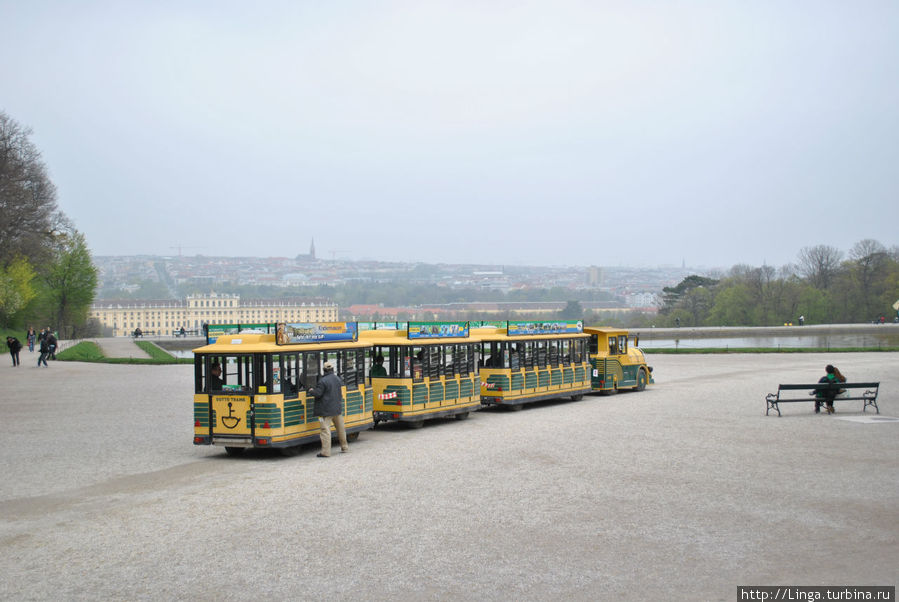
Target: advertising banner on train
[(437, 330), (554, 327), (316, 332)]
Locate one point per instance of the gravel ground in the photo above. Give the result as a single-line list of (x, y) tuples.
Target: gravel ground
[(682, 492)]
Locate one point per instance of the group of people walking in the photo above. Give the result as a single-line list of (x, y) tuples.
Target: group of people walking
[(46, 343)]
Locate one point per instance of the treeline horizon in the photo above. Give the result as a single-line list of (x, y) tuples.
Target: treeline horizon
[(824, 287)]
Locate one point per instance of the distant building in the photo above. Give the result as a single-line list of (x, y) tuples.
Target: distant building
[(168, 317), (311, 256), (642, 300), (594, 276)]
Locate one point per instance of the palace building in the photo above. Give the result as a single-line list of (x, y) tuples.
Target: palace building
[(169, 316)]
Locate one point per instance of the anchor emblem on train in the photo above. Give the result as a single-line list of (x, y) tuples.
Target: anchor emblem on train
[(230, 421)]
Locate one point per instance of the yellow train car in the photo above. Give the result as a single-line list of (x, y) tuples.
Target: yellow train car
[(429, 370), (533, 361), (616, 364), (250, 386)]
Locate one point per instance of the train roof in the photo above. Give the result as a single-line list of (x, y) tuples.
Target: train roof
[(606, 330)]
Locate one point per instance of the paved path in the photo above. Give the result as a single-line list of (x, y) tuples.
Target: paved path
[(681, 492), (120, 347)]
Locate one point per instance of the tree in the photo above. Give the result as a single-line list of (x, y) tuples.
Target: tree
[(16, 288), (572, 311), (672, 296), (70, 282), (868, 260), (819, 264), (28, 213)]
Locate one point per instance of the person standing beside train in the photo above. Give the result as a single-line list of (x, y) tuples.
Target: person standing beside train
[(328, 409)]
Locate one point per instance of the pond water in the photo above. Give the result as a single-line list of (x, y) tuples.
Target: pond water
[(870, 340), (181, 353)]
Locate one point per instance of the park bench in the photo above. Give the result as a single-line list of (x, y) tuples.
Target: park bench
[(866, 392), (187, 333), (143, 333)]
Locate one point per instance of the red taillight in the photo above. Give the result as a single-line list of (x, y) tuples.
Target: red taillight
[(198, 440), (396, 415), (262, 441)]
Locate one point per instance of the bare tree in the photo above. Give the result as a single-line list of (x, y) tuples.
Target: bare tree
[(819, 264), (28, 212), (868, 260)]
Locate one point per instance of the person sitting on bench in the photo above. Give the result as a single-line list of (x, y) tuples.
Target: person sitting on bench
[(826, 396)]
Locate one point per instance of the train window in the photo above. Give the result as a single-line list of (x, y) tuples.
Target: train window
[(435, 365), (577, 352), (268, 366), (541, 354), (399, 361), (622, 344), (594, 343), (311, 369), (360, 365), (553, 353), (528, 354), (514, 356), (226, 373), (459, 359), (613, 346), (348, 367), (449, 363), (491, 351), (288, 373), (382, 362), (419, 360)]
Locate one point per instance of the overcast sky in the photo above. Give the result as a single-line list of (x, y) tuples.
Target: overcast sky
[(520, 132)]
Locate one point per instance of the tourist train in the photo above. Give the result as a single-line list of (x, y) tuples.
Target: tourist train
[(251, 380)]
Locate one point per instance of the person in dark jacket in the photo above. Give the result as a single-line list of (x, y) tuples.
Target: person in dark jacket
[(328, 409), (825, 397), (14, 348), (45, 351), (51, 339)]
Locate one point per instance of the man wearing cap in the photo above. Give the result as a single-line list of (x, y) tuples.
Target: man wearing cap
[(329, 408)]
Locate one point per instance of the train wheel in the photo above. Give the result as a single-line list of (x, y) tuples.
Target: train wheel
[(415, 424), (352, 436), (577, 397), (462, 416), (234, 451), (641, 379), (514, 407)]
